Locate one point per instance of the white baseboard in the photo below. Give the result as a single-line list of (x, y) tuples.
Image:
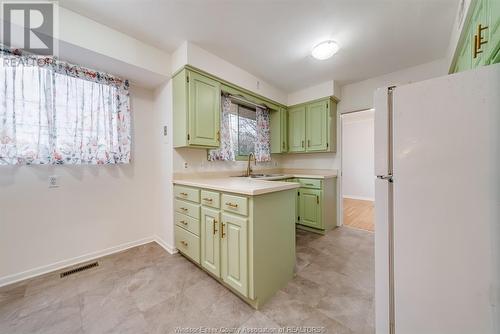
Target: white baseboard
[(6, 280), (359, 197), (164, 245)]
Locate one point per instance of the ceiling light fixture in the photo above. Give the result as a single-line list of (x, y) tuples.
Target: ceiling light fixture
[(325, 50)]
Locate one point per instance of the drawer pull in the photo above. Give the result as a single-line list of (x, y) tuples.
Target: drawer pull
[(183, 194), (222, 230), (208, 199), (183, 222), (232, 205), (309, 184), (184, 209), (215, 223), (184, 243), (317, 199)]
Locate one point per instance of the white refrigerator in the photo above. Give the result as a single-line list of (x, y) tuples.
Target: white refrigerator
[(437, 205)]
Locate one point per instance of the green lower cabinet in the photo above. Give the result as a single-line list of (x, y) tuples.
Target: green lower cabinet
[(234, 252), (310, 208), (210, 240), (316, 204), (247, 243)]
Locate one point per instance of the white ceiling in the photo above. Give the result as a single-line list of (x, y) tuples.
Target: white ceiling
[(272, 39)]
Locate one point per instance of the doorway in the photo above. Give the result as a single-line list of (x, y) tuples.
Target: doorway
[(358, 184)]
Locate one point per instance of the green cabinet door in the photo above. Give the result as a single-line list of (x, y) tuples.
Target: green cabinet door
[(310, 208), (480, 16), (234, 252), (204, 110), (297, 129), (284, 130), (494, 14), (317, 118), (278, 128), (210, 240)]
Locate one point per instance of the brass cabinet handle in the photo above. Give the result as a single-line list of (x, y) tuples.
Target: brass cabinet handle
[(479, 40), (218, 135), (215, 230), (308, 184), (317, 199), (183, 194), (308, 143), (183, 222), (208, 199), (302, 143), (184, 243), (232, 205), (222, 230), (184, 209), (283, 145)]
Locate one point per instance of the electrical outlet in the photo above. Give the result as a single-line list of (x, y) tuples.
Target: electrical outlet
[(165, 131), (53, 181), (185, 165)]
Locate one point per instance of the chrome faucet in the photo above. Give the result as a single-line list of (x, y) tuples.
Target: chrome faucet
[(249, 169)]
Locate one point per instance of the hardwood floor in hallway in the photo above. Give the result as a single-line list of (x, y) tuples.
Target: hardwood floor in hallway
[(359, 214)]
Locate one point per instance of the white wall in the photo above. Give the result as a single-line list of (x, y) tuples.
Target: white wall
[(97, 209), (358, 155), (463, 11), (359, 95), (319, 91), (189, 53), (164, 162)]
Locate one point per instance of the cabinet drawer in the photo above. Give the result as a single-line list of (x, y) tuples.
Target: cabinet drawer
[(189, 194), (188, 223), (190, 209), (310, 183), (210, 198), (235, 204), (187, 243)]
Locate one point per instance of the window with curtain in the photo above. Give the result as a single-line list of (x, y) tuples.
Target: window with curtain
[(244, 130), (53, 112)]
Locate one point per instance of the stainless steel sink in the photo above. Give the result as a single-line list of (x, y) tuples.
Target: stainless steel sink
[(264, 176)]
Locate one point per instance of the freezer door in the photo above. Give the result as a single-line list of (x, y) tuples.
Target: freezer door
[(381, 132), (446, 204)]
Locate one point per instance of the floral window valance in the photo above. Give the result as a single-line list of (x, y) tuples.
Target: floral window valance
[(53, 112)]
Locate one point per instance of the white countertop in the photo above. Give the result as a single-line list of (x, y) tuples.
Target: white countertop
[(238, 185)]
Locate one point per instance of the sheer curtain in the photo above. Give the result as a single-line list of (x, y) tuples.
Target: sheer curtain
[(263, 143), (52, 112), (226, 151)]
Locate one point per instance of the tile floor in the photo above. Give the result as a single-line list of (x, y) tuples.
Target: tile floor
[(146, 290)]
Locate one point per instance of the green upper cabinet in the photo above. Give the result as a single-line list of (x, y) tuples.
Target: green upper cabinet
[(317, 118), (312, 127), (480, 39), (279, 136), (196, 102), (297, 129)]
